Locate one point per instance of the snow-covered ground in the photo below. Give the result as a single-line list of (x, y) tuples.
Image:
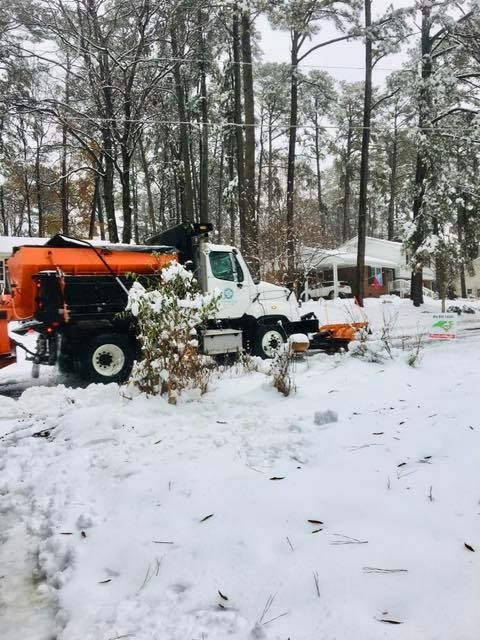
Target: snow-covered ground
[(239, 514)]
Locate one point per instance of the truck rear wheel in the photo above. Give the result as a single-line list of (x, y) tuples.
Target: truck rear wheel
[(109, 358), (268, 341)]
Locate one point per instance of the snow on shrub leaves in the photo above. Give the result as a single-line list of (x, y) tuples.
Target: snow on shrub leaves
[(168, 316)]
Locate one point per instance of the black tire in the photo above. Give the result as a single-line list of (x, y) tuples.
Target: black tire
[(67, 360), (108, 358), (268, 341)]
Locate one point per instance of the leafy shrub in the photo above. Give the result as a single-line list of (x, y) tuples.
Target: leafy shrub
[(168, 316), (281, 370)]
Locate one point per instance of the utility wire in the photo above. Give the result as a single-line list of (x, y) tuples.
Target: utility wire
[(286, 127)]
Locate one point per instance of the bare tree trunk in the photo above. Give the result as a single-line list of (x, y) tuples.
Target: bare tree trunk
[(93, 209), (231, 176), (270, 168), (463, 284), (250, 231), (364, 165), (101, 219), (261, 154), (195, 178), (204, 213), (237, 118), (292, 139), (221, 169), (126, 193), (2, 212), (136, 232), (347, 187), (64, 162), (38, 183), (421, 171), (148, 186), (393, 187), (108, 186), (187, 210), (26, 182), (321, 207)]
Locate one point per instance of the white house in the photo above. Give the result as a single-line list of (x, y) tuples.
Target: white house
[(472, 280), (7, 244), (386, 268)]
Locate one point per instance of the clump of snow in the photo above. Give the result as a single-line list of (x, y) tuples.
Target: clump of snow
[(325, 417), (84, 521), (298, 338)]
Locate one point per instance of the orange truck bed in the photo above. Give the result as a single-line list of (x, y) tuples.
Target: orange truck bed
[(64, 257), (28, 261)]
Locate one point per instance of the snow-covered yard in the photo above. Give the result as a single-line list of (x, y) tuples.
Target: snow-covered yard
[(239, 515)]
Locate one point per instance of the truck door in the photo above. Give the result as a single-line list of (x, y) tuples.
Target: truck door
[(226, 274)]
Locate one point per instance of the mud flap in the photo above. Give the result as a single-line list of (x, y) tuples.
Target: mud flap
[(7, 346)]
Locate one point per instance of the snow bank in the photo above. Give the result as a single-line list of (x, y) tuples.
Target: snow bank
[(237, 516)]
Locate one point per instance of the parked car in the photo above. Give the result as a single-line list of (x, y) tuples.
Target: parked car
[(326, 290)]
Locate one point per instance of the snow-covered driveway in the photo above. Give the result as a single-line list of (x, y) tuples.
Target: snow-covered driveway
[(237, 516)]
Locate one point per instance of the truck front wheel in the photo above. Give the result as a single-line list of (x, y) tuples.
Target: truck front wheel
[(109, 358), (268, 341)]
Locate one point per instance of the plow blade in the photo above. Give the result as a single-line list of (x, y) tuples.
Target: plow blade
[(334, 337)]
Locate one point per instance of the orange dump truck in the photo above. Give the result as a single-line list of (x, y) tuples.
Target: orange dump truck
[(73, 289)]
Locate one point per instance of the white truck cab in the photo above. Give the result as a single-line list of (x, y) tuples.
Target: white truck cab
[(253, 315), (227, 272)]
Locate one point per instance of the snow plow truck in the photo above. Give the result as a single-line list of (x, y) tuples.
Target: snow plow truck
[(73, 294)]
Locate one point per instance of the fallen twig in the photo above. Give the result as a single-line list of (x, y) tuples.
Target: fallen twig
[(347, 540), (388, 621), (267, 607), (207, 517), (276, 618), (147, 578), (379, 570)]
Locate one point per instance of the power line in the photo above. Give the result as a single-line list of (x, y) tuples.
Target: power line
[(226, 124), (228, 62)]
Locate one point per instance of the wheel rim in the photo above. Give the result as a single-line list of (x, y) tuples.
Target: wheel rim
[(271, 343), (108, 360)]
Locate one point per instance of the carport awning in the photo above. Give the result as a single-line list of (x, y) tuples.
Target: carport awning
[(314, 259)]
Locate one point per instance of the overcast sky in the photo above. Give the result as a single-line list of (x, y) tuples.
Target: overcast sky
[(276, 47)]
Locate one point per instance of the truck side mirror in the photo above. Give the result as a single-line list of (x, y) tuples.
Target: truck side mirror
[(256, 280)]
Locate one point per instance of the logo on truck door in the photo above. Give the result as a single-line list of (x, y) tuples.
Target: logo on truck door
[(228, 293)]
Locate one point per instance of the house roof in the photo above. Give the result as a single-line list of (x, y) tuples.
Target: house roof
[(313, 258), (7, 243)]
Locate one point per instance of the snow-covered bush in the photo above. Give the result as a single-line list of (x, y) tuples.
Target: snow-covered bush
[(367, 349), (168, 316)]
